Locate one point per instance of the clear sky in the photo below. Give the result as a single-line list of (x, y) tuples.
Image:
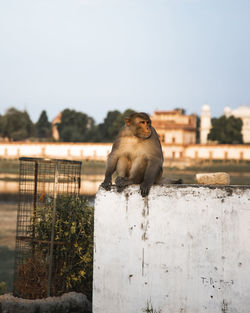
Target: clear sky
[(100, 55)]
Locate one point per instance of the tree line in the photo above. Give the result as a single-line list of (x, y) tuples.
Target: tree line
[(16, 125)]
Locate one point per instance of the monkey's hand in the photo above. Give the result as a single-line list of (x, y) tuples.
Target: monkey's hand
[(121, 183), (144, 187), (106, 184)]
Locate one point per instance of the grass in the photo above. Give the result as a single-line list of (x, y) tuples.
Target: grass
[(89, 167), (9, 166), (7, 266), (188, 177), (222, 166), (8, 213), (239, 172)]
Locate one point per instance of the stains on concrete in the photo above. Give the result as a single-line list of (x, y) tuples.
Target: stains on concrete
[(131, 228), (130, 277), (144, 227), (142, 262), (126, 197), (146, 205), (196, 189), (224, 306), (145, 210)]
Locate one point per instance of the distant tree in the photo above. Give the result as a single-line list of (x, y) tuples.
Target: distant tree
[(75, 126), (43, 126), (198, 124), (112, 124), (1, 125), (93, 134), (121, 119), (106, 129), (226, 130), (183, 111), (17, 125)]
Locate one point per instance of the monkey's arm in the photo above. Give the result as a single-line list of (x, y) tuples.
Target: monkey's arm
[(152, 173), (110, 168)]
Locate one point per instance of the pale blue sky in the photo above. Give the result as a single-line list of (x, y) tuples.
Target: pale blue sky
[(100, 55)]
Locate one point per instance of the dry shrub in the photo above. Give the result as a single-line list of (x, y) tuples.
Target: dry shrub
[(32, 280)]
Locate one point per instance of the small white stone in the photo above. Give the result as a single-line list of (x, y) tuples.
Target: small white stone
[(219, 178)]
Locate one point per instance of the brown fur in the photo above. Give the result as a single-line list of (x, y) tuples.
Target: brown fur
[(136, 155)]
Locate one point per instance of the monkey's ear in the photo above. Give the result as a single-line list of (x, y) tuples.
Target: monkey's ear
[(127, 121)]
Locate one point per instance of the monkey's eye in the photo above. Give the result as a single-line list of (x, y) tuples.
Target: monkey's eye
[(143, 122)]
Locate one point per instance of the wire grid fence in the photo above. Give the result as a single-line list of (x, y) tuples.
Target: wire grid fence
[(41, 182)]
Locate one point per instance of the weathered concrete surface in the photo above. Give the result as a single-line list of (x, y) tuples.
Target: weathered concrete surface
[(184, 248), (67, 303)]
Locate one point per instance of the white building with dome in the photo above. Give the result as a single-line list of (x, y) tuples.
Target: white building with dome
[(242, 112), (205, 123)]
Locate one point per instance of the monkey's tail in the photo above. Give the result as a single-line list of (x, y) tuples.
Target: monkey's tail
[(167, 181)]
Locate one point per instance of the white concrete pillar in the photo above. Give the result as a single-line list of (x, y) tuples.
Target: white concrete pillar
[(205, 124), (182, 249)]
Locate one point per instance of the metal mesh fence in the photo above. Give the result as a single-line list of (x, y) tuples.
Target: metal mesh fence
[(41, 184)]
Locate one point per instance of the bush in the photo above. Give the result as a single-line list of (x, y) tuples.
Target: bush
[(73, 250)]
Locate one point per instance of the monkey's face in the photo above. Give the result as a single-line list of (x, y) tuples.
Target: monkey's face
[(139, 124), (142, 128)]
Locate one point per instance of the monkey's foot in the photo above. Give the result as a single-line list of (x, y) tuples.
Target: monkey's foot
[(106, 185), (121, 183)]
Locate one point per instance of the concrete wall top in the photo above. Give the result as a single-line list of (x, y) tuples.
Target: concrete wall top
[(183, 249)]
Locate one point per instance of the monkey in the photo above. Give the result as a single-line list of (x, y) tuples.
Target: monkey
[(136, 155)]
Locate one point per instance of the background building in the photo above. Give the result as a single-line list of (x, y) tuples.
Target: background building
[(243, 112), (175, 127), (55, 122), (205, 123)]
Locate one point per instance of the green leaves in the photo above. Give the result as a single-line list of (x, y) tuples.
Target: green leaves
[(75, 126), (16, 125), (43, 126), (113, 122), (226, 130), (73, 247)]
